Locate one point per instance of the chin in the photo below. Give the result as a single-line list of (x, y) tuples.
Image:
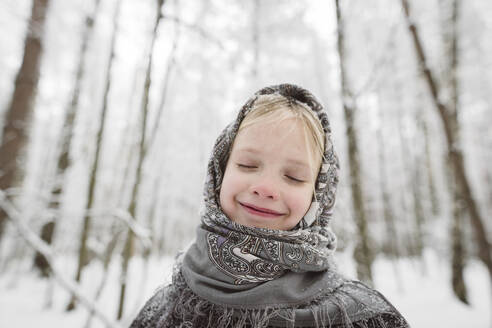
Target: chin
[(266, 225)]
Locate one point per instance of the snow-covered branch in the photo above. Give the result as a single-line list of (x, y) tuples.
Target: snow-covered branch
[(142, 233), (39, 245)]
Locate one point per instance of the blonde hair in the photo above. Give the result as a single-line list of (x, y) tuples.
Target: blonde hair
[(276, 108)]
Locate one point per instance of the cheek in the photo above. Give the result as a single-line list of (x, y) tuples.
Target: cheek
[(224, 192), (300, 202), (228, 188)]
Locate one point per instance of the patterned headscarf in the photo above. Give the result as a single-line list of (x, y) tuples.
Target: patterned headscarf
[(245, 255)]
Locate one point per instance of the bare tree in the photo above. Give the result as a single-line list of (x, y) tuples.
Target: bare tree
[(458, 251), (422, 123), (15, 131), (450, 12), (394, 102), (411, 168), (63, 161), (107, 256), (417, 205), (362, 253), (83, 259), (171, 63), (132, 209), (453, 141), (256, 39), (157, 127), (391, 246)]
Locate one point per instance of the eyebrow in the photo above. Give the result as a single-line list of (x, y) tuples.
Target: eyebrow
[(290, 160)]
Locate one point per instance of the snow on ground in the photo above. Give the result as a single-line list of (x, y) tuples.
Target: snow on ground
[(420, 291), (426, 298)]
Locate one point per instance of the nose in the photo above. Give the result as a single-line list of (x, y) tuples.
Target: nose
[(265, 187)]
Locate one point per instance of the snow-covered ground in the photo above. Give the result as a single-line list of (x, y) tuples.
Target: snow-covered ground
[(420, 290)]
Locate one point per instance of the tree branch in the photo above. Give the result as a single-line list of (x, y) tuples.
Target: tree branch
[(195, 28), (40, 246)]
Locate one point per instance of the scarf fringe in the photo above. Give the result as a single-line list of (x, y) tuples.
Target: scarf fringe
[(178, 306), (187, 310)]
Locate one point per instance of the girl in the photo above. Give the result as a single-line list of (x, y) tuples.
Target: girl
[(263, 252)]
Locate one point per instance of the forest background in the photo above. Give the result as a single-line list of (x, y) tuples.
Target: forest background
[(109, 110)]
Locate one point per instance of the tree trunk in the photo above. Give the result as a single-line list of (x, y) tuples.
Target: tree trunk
[(410, 166), (458, 252), (108, 254), (132, 209), (40, 262), (15, 130), (390, 246), (171, 63), (418, 209), (453, 142), (83, 261), (430, 176), (362, 252), (450, 33), (256, 40), (66, 137)]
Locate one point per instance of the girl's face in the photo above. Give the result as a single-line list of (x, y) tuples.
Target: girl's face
[(269, 179)]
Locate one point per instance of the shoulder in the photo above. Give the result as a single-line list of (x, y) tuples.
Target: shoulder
[(363, 306), (352, 304), (153, 309)]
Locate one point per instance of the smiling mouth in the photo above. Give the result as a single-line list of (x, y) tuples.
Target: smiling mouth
[(264, 212)]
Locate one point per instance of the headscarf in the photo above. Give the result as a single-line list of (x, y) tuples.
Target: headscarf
[(234, 264)]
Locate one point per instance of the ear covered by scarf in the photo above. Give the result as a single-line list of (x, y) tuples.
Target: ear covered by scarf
[(230, 261)]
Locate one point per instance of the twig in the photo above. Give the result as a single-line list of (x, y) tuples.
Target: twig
[(138, 230), (197, 29)]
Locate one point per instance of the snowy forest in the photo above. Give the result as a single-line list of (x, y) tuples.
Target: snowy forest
[(109, 110)]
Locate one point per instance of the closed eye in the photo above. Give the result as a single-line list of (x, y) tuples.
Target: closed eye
[(294, 179), (244, 166)]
